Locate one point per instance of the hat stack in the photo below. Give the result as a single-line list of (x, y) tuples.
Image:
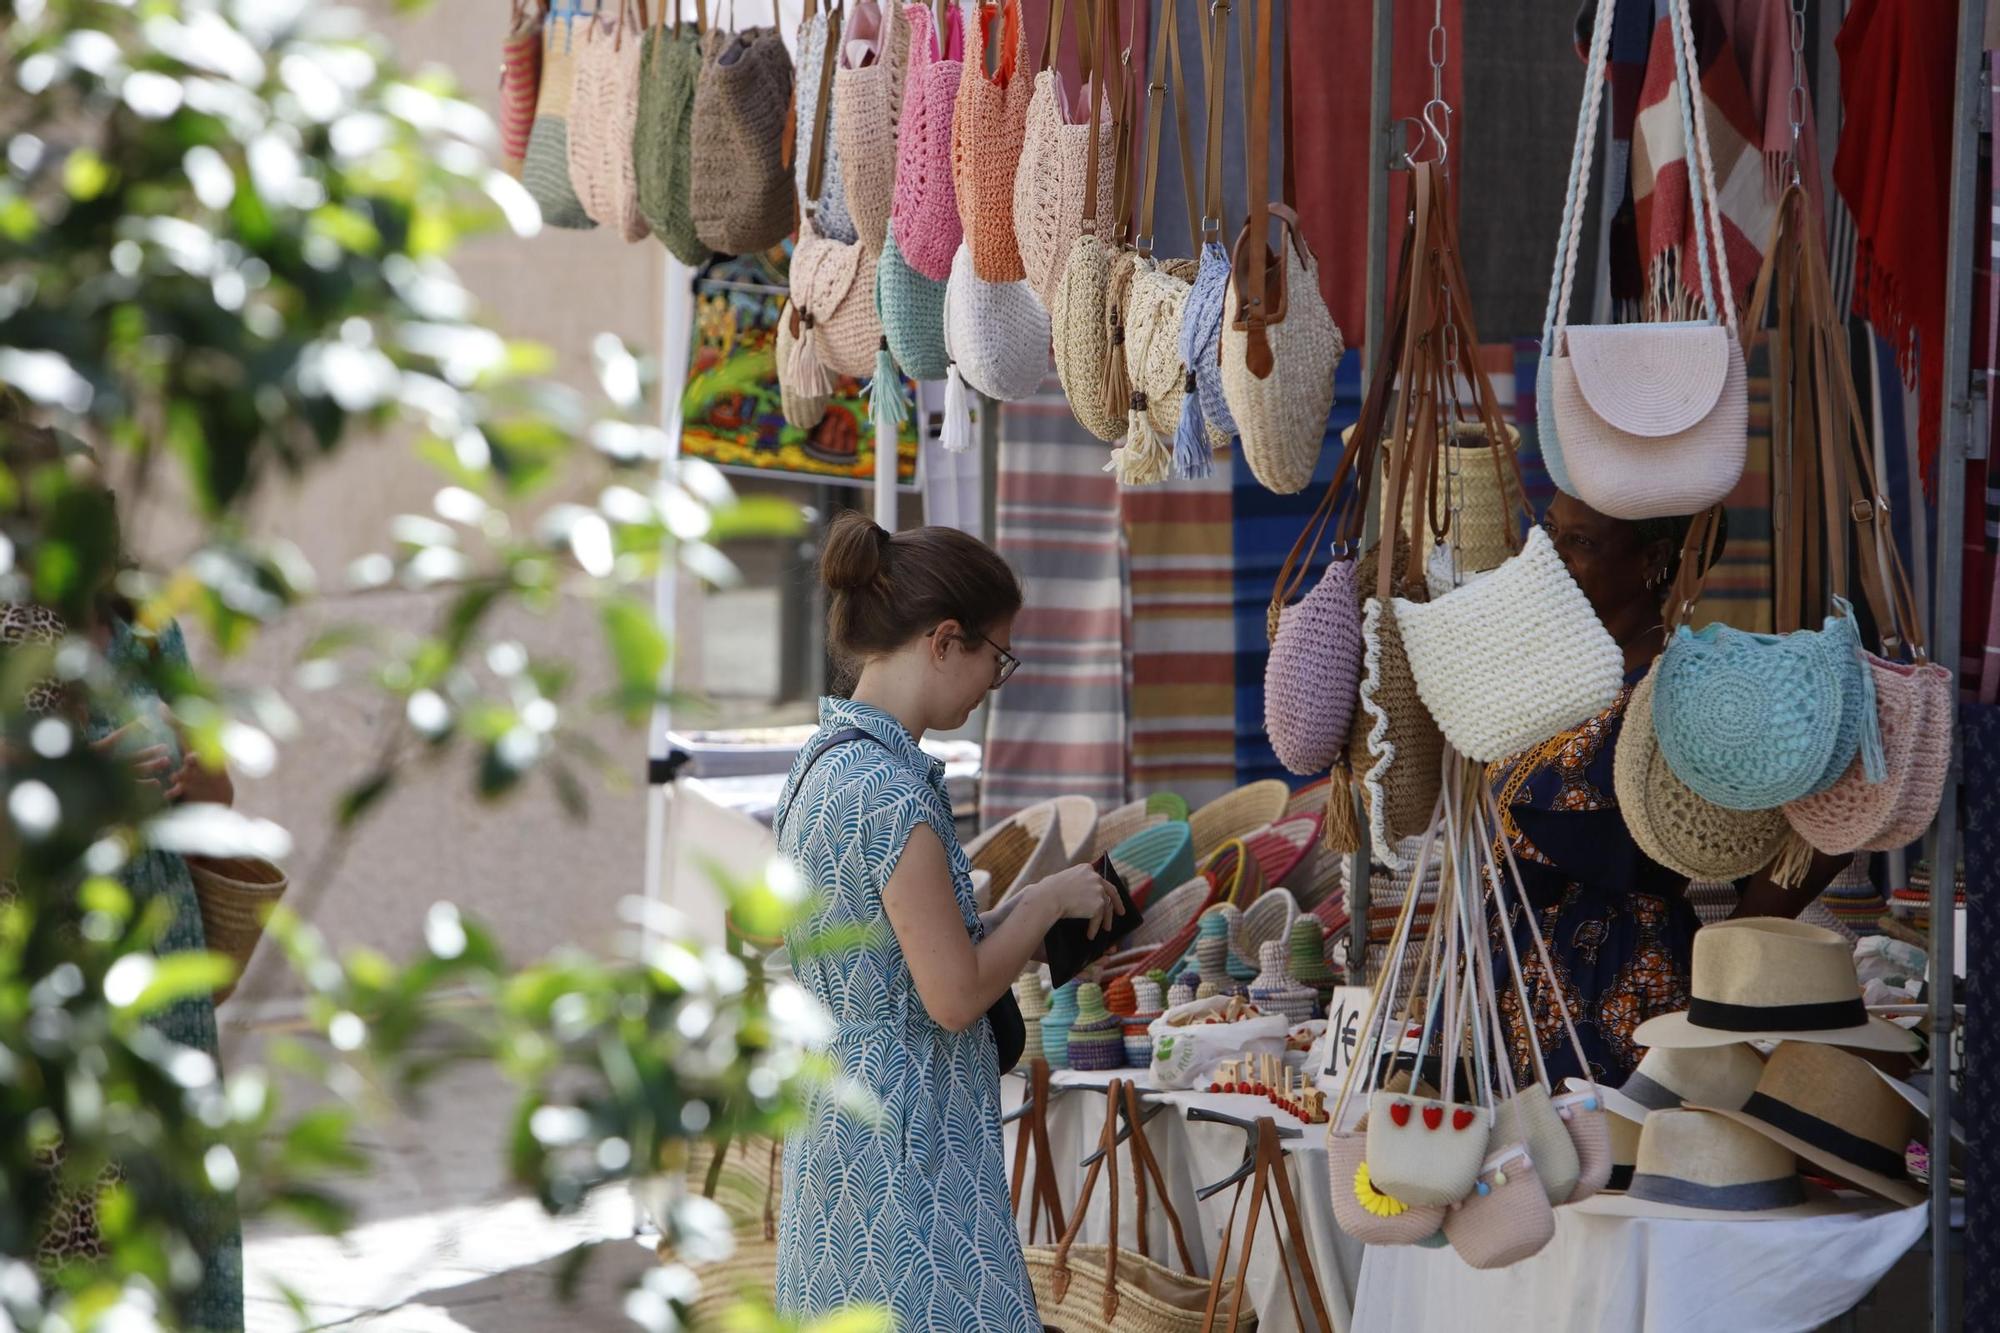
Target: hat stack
[(1722, 1131)]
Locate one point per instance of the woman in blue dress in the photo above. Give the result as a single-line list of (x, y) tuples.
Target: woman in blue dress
[(907, 1208)]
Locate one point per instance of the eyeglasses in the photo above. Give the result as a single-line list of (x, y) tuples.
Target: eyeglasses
[(1005, 663)]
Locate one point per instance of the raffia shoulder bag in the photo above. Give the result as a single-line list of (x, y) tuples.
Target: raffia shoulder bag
[(744, 203), (1082, 315), (868, 92), (1055, 154), (602, 117), (660, 141), (988, 126), (924, 210), (545, 170), (818, 52)]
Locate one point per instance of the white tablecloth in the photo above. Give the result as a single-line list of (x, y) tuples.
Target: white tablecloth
[(1658, 1276)]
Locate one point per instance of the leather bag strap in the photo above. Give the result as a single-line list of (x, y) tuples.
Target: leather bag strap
[(1107, 28), (1215, 72), (1254, 302), (822, 111)]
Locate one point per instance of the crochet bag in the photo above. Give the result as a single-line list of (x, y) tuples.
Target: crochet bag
[(545, 171), (801, 410), (520, 82), (1055, 154), (1590, 1136), (1082, 315), (868, 97), (1280, 346), (924, 210), (1671, 824), (833, 309), (997, 336), (1507, 1217), (1362, 1209), (988, 125), (743, 204), (1652, 419), (660, 140), (911, 308), (818, 50), (602, 116), (1530, 1118), (1208, 298)]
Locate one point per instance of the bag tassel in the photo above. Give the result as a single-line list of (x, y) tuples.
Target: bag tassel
[(957, 434), (1145, 459), (809, 374), (1340, 832), (1874, 762), (1117, 381), (1193, 459), (886, 405), (1794, 861)]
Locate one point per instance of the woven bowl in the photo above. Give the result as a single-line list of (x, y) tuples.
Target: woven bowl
[(1309, 799), (1003, 852), (1058, 833), (1172, 912), (1286, 850), (1116, 825), (1269, 918), (1236, 874), (1162, 854), (1236, 813), (1167, 803)]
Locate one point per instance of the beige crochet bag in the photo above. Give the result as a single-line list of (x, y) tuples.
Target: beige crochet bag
[(987, 129), (1055, 155), (1672, 824), (1280, 345), (742, 197), (802, 410), (603, 111), (868, 107), (1081, 316)]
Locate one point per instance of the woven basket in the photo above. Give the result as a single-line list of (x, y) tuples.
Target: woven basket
[(1235, 873), (1003, 851), (1152, 1298), (802, 410), (1287, 850), (1173, 912), (1267, 920), (1485, 508), (236, 895), (1079, 333), (1281, 415), (668, 70), (1056, 833), (545, 171), (1160, 855), (1912, 705), (1236, 813), (1171, 804), (1116, 825), (602, 116), (1673, 825)]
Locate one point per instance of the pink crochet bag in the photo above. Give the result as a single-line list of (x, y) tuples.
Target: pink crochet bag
[(924, 216), (988, 126)]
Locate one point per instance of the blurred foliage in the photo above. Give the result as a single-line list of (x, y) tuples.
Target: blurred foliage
[(225, 240)]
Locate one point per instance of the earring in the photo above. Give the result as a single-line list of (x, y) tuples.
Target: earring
[(1657, 579)]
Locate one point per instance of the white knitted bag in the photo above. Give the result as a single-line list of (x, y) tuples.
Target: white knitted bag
[(1281, 414), (996, 333), (1512, 659)]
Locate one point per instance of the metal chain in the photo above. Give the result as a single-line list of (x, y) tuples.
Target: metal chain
[(1795, 102)]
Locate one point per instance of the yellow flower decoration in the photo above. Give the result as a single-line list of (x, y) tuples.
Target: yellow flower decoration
[(1374, 1200)]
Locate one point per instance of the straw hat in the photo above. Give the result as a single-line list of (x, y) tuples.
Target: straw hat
[(1696, 1164), (1829, 1107), (1767, 979), (1670, 1077), (1624, 1152)]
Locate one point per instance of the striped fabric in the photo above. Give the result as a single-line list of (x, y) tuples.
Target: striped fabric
[(1183, 645), (1738, 592), (1059, 727)]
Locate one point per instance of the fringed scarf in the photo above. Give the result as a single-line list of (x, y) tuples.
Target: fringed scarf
[(1894, 171)]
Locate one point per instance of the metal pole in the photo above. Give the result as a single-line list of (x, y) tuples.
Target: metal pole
[(1383, 36), (1957, 440)]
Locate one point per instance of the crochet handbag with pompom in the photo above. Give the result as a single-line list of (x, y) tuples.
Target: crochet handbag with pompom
[(602, 116), (545, 170), (1507, 1216), (868, 96), (924, 210), (997, 336), (660, 140), (743, 202), (1055, 154), (1652, 419), (987, 129)]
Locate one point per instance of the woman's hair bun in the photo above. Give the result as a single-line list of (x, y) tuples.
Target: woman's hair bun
[(855, 552)]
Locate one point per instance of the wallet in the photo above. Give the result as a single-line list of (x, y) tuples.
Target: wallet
[(1068, 945)]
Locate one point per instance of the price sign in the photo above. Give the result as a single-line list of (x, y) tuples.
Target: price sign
[(1346, 1011)]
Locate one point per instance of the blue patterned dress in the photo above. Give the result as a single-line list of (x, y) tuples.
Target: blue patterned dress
[(909, 1212)]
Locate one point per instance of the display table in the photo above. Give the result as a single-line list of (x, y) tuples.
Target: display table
[(1599, 1272), (1660, 1276)]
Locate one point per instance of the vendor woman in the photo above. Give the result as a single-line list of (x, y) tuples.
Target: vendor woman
[(907, 1208), (1618, 924)]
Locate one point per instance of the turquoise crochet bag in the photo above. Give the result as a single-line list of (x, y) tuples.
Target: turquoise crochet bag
[(1751, 721), (911, 307)]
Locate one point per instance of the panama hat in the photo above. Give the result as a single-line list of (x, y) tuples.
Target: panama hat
[(1624, 1152), (1672, 1076), (1768, 979), (1831, 1108), (1696, 1164)]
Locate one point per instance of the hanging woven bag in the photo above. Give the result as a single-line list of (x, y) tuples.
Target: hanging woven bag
[(520, 82), (801, 410), (1208, 297), (1280, 346), (997, 335), (911, 308), (741, 191), (1671, 824), (1653, 419), (834, 326), (545, 170), (1082, 315), (668, 71), (924, 210), (1055, 154), (602, 117), (818, 53), (987, 128), (868, 101)]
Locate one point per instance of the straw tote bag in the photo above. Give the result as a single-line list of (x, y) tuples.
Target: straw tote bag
[(668, 69), (1208, 298), (1110, 1289), (987, 129), (1280, 346), (545, 171), (744, 203), (868, 95), (818, 50), (602, 117), (924, 210), (235, 895), (1080, 317), (1653, 419), (520, 83), (1507, 1218), (1055, 154)]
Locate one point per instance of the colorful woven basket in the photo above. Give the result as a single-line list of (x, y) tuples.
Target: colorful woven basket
[(1236, 874), (1236, 813), (1097, 1038), (1160, 855), (1287, 850), (1171, 804), (1173, 912), (1264, 921), (1121, 822)]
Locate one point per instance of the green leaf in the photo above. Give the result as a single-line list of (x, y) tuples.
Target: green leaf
[(756, 516), (360, 798), (320, 1141), (183, 976), (86, 175), (638, 650)]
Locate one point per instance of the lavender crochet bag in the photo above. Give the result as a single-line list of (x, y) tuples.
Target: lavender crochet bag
[(1313, 673)]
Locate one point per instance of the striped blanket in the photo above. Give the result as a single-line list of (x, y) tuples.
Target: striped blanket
[(1059, 727)]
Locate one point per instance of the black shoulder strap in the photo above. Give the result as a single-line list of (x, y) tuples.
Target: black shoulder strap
[(841, 737)]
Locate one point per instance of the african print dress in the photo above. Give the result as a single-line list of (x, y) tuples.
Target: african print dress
[(1618, 925), (907, 1210)]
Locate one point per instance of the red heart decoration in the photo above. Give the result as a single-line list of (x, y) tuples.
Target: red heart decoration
[(1461, 1118), (1433, 1116), (1399, 1112)]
